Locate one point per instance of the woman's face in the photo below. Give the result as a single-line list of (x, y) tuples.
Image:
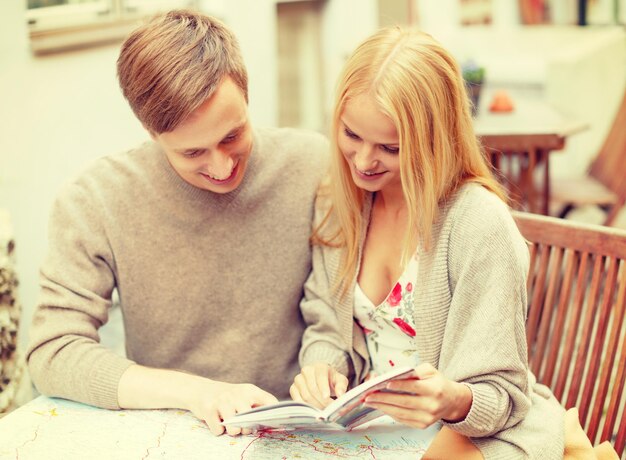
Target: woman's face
[(369, 142)]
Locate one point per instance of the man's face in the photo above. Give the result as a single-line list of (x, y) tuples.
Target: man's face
[(210, 149)]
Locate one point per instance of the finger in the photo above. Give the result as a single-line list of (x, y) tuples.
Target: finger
[(214, 422), (294, 393), (424, 370), (408, 416), (413, 386), (323, 376), (340, 383), (398, 412), (301, 383), (310, 377), (240, 407), (226, 411), (233, 430), (398, 400)]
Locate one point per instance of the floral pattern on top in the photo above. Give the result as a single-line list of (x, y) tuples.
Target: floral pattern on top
[(390, 327)]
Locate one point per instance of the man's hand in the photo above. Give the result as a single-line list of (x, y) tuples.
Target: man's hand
[(143, 387), (317, 383), (428, 399), (214, 402)]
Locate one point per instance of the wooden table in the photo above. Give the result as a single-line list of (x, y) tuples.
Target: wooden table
[(519, 144)]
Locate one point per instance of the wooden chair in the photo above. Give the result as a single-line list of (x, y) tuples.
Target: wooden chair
[(576, 326), (605, 182)]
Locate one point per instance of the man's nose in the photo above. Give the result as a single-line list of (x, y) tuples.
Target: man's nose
[(220, 164)]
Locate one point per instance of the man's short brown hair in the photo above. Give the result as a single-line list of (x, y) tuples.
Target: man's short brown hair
[(168, 67)]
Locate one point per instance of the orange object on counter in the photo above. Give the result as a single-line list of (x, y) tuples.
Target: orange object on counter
[(501, 102)]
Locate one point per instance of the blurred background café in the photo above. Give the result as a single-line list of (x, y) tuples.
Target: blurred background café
[(548, 77)]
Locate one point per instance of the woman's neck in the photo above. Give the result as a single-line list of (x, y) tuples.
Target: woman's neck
[(390, 203)]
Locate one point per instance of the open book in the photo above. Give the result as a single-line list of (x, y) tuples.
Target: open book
[(346, 412)]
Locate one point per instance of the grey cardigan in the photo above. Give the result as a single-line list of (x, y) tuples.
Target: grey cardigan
[(470, 312)]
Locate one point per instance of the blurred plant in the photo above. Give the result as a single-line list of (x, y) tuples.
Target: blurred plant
[(474, 76), (473, 73)]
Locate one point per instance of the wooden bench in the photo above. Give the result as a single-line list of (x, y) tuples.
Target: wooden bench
[(576, 325)]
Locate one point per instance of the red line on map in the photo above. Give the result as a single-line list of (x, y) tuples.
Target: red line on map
[(243, 452), (17, 449), (158, 444)]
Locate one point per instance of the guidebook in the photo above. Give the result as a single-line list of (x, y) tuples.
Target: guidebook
[(346, 412)]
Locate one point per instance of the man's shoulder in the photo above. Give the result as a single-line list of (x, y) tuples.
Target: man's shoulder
[(110, 172)]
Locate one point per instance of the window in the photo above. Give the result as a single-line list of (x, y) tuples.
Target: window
[(61, 24)]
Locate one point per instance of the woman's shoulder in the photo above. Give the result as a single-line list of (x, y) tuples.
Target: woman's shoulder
[(475, 197), (476, 214), (475, 206)]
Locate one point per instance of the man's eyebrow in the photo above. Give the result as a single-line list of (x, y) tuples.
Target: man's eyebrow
[(235, 130), (230, 133), (190, 149)]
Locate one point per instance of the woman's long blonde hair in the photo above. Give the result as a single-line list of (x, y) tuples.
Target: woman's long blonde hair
[(418, 84)]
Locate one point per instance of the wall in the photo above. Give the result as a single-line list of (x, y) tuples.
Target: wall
[(60, 112), (338, 40)]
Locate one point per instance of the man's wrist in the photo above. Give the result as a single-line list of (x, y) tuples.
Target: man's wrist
[(148, 388), (193, 389)]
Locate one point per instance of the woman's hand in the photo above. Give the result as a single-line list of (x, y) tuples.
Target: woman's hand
[(315, 384), (432, 397), (214, 402)]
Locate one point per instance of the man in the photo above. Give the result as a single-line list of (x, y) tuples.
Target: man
[(204, 233)]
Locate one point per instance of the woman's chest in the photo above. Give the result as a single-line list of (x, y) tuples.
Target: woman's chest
[(381, 259)]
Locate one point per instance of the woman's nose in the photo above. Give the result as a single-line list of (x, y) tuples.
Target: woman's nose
[(364, 157)]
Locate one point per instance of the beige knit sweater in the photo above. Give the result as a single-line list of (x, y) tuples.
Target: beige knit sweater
[(469, 311), (208, 283)]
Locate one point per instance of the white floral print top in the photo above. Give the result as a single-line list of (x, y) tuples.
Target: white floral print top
[(389, 327)]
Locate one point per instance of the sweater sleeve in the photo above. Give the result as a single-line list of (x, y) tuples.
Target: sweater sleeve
[(487, 351), (77, 278), (321, 340)]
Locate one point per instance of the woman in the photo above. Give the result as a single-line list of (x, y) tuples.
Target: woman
[(417, 260)]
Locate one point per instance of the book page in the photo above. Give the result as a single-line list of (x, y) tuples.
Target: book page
[(274, 415), (349, 411)]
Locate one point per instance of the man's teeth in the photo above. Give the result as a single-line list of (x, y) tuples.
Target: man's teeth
[(218, 179)]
